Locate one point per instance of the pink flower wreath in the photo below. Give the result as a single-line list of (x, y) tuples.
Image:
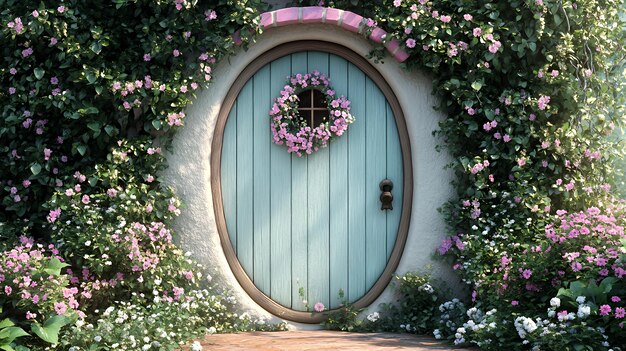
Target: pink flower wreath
[(292, 130)]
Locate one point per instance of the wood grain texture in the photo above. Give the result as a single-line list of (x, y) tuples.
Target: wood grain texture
[(338, 73), (318, 209), (219, 146), (262, 181), (356, 186), (299, 206), (280, 202)]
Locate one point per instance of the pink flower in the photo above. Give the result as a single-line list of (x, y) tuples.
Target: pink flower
[(46, 154), (605, 310), (527, 273), (576, 266), (410, 43), (514, 302), (543, 102), (467, 17), (30, 315), (60, 308), (397, 3), (445, 19), (554, 73), (620, 312), (53, 215), (615, 299), (210, 15), (53, 41), (477, 31), (506, 138), (319, 307), (493, 48), (521, 162), (111, 193), (85, 199), (176, 53), (147, 57), (61, 9)]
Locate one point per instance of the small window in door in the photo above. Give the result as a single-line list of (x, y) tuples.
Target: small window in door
[(312, 107)]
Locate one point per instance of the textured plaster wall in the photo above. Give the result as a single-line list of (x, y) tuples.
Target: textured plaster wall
[(189, 163)]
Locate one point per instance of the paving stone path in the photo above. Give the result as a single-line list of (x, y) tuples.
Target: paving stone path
[(323, 340)]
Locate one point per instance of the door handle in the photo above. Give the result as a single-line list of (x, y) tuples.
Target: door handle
[(386, 197)]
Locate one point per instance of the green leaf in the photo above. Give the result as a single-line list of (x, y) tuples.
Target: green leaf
[(39, 72), (156, 124), (95, 126), (81, 149), (110, 130), (477, 85), (49, 332), (7, 335), (96, 47), (35, 168), (54, 267), (91, 78), (6, 323)]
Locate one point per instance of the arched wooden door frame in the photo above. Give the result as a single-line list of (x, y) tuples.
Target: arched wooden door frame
[(216, 186)]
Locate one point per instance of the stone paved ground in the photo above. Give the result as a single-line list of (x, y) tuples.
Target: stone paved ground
[(322, 340)]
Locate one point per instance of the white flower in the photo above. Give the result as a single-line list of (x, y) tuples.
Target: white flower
[(583, 311), (212, 330), (555, 302), (88, 243), (98, 338), (373, 317), (581, 299), (196, 346)]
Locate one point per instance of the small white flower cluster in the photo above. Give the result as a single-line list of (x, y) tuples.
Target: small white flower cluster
[(373, 317), (524, 326), (161, 325), (450, 311), (426, 288), (478, 321)]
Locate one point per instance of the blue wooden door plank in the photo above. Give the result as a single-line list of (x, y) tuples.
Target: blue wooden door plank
[(338, 72), (376, 226), (245, 210), (318, 209), (280, 200), (395, 173), (229, 172), (261, 174), (299, 203), (356, 185)]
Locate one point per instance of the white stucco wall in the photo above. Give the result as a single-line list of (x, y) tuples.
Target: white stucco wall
[(189, 164)]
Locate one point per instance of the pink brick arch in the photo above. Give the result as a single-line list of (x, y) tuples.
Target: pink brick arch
[(344, 19)]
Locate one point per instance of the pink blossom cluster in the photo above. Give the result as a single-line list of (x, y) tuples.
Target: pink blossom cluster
[(289, 129), (25, 283), (145, 243)]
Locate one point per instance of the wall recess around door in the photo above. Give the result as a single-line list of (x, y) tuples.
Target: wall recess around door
[(216, 172)]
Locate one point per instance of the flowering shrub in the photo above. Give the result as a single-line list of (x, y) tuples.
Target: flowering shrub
[(34, 292), (290, 128), (160, 324), (76, 79)]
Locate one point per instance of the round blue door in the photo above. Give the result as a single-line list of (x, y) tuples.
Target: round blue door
[(304, 228)]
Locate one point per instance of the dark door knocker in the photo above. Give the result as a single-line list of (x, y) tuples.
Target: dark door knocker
[(386, 198)]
